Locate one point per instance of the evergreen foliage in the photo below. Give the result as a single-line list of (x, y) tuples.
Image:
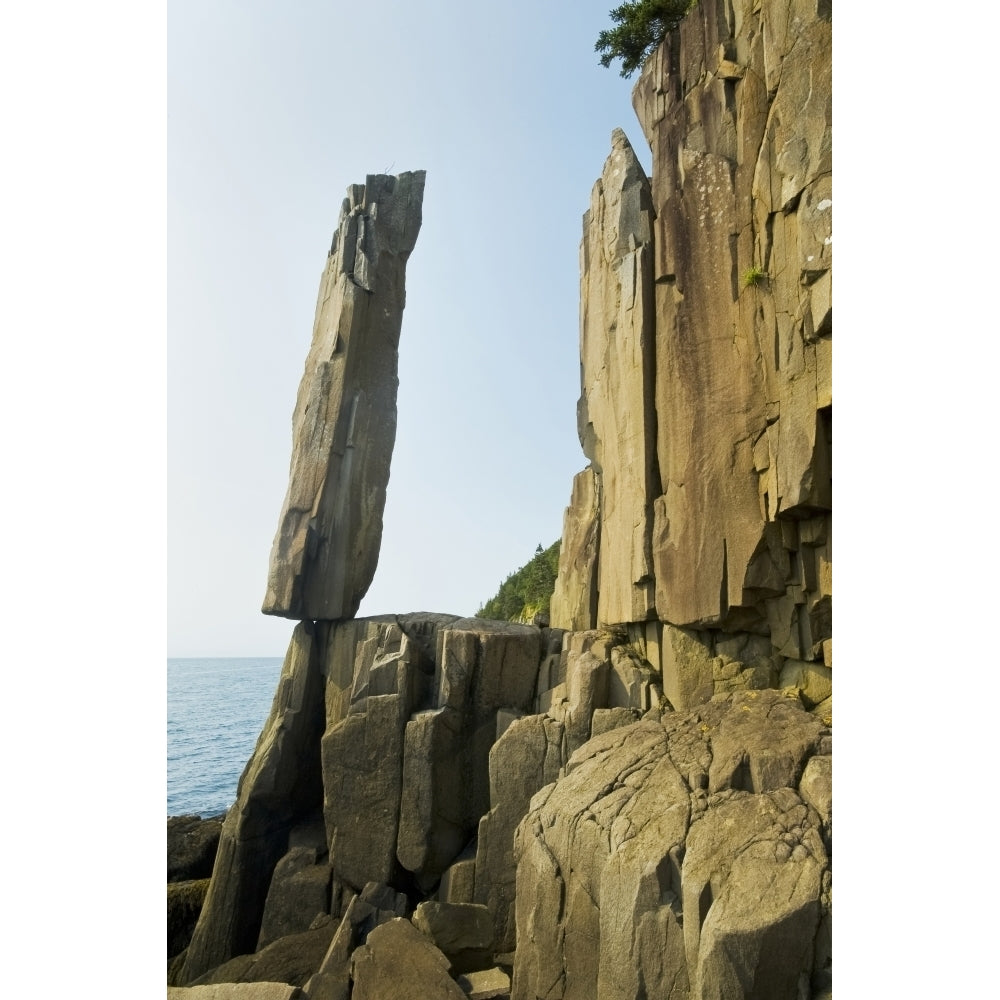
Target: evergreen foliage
[(527, 591), (640, 26)]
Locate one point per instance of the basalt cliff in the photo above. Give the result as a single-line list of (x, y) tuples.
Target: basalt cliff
[(631, 799)]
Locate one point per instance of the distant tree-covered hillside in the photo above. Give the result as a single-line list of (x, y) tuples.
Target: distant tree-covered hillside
[(527, 591)]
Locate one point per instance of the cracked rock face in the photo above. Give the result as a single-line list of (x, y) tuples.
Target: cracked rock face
[(344, 428), (679, 859), (706, 409), (615, 417)]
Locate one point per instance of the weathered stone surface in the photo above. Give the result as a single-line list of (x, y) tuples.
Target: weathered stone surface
[(280, 786), (322, 986), (487, 984), (398, 962), (191, 846), (816, 787), (615, 415), (587, 683), (813, 681), (731, 526), (481, 667), (755, 863), (291, 959), (458, 883), (526, 758), (734, 168), (376, 905), (463, 931), (235, 991), (606, 719), (672, 861), (574, 602), (299, 890), (344, 427), (376, 676)]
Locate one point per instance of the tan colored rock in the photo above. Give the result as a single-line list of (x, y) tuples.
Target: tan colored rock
[(739, 126), (458, 883), (376, 905), (669, 862), (487, 984), (463, 931), (482, 667), (327, 544), (813, 681), (816, 786), (615, 415), (299, 890), (525, 759), (290, 959), (363, 748), (606, 719), (398, 962), (574, 601), (752, 880), (235, 991)]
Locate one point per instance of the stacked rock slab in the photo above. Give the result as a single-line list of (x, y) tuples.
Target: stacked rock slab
[(326, 547), (735, 510)]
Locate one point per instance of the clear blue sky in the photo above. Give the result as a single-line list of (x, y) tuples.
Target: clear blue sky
[(273, 111)]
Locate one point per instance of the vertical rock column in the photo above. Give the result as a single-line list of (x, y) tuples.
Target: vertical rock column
[(616, 418), (736, 107), (326, 548), (279, 786)]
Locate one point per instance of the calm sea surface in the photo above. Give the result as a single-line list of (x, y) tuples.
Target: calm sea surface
[(216, 709)]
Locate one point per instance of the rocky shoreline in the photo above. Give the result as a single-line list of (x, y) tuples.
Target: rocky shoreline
[(633, 800)]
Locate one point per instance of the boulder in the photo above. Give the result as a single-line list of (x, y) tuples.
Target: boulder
[(398, 962), (191, 846), (487, 984), (344, 427), (676, 859), (458, 883), (299, 891), (526, 758), (463, 931), (606, 719), (376, 905), (291, 959)]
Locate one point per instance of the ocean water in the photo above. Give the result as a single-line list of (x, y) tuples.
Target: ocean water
[(216, 709)]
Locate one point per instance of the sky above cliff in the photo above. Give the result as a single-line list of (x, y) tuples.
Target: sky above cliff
[(273, 111)]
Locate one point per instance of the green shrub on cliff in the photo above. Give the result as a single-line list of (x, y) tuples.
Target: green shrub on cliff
[(641, 26), (527, 591)]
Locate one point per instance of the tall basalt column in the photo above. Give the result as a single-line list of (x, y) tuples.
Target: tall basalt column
[(615, 415), (344, 428), (736, 106)]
